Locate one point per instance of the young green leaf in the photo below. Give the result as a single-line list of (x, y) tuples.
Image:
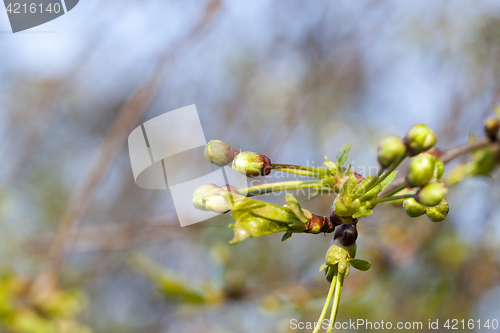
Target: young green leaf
[(362, 265), (323, 267), (360, 189), (287, 236), (363, 212), (386, 182), (341, 157)]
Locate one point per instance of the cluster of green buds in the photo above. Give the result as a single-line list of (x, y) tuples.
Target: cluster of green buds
[(420, 191), (436, 213), (424, 173)]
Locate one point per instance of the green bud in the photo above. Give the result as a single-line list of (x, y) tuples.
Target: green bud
[(389, 149), (420, 170), (341, 210), (197, 200), (431, 194), (419, 139), (413, 208), (215, 199), (219, 153), (438, 169), (336, 253), (491, 127), (252, 164), (439, 212)]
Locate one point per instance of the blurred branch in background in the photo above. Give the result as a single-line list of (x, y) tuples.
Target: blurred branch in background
[(292, 80), (113, 143)]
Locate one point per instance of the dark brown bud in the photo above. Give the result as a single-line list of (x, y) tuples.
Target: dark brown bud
[(347, 234)]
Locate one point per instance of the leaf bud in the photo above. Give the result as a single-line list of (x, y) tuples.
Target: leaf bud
[(431, 194), (389, 149), (219, 153), (420, 170), (439, 212), (252, 164), (419, 139)]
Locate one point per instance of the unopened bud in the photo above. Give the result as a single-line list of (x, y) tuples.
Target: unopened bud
[(346, 234), (413, 208), (219, 153), (197, 195), (491, 127), (252, 164), (215, 199), (420, 170), (431, 194), (341, 210), (419, 139), (389, 149), (439, 212)]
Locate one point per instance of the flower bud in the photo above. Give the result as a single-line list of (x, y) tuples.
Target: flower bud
[(389, 149), (491, 127), (431, 194), (215, 199), (419, 139), (439, 212), (346, 234), (219, 153), (341, 210), (197, 195), (336, 253), (413, 208), (420, 170), (252, 164)]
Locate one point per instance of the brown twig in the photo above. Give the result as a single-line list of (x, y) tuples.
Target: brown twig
[(117, 135)]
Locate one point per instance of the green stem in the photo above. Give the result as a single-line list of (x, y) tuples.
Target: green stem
[(387, 173), (336, 302), (398, 197), (327, 303), (284, 186), (302, 170), (396, 190)]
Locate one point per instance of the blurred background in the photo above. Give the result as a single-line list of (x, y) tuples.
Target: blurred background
[(83, 249)]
